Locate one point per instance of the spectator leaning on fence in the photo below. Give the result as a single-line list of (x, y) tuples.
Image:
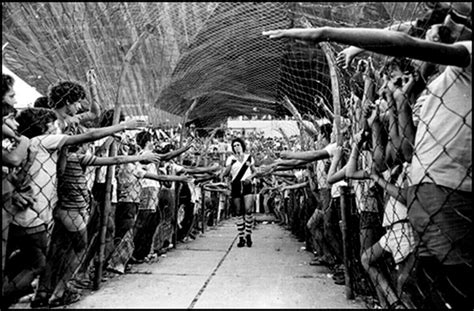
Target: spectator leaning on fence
[(31, 226), (129, 187), (69, 238), (439, 196), (14, 154)]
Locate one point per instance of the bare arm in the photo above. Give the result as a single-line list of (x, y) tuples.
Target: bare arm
[(168, 177), (392, 190), (382, 41), (102, 132), (351, 166), (105, 161), (308, 156), (173, 154), (197, 170), (334, 175), (94, 110), (296, 186)]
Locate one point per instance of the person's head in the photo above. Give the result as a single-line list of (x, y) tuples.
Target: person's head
[(8, 119), (459, 20), (394, 70), (37, 121), (67, 96), (325, 132), (42, 102), (143, 139), (8, 94), (107, 118), (238, 145), (439, 33)]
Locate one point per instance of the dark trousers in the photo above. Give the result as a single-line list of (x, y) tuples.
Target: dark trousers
[(66, 252), (25, 260), (147, 221)]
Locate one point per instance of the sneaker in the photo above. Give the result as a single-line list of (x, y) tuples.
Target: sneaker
[(241, 242), (339, 279), (67, 299), (318, 261), (120, 269), (135, 261), (249, 241)]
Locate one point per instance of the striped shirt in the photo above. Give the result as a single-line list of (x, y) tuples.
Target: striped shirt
[(73, 193)]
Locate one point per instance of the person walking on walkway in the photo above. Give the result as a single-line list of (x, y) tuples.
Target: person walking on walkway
[(240, 165)]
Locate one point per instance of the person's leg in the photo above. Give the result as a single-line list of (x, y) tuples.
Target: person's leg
[(237, 202), (385, 292), (7, 217), (442, 217), (75, 255), (125, 221), (32, 247), (332, 230), (249, 220)]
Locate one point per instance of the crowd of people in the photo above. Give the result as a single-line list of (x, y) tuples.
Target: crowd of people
[(395, 171)]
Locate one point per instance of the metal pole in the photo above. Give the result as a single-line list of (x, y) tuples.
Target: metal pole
[(176, 209), (112, 153), (345, 220), (203, 210)]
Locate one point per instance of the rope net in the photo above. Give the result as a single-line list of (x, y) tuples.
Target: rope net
[(198, 64)]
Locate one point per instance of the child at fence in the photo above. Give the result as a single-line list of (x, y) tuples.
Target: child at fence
[(148, 217), (30, 229), (69, 238), (128, 194)]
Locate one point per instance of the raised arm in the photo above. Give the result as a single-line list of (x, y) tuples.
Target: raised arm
[(394, 191), (351, 166), (382, 41), (333, 174)]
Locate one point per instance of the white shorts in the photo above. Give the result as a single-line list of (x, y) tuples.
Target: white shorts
[(399, 240)]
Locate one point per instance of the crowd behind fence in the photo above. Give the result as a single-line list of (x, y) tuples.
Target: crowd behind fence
[(381, 194)]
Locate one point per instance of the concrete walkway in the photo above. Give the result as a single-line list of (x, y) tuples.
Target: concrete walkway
[(212, 272)]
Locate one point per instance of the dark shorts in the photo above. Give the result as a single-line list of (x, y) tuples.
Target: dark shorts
[(240, 189), (442, 217), (370, 220)]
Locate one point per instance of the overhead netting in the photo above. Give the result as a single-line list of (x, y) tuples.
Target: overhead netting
[(202, 62), (154, 57)]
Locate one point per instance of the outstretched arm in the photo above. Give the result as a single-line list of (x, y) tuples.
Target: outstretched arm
[(183, 178), (103, 132), (394, 191), (148, 157), (382, 41), (308, 156), (173, 154)]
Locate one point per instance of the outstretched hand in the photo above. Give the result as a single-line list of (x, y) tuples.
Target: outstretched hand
[(151, 157), (91, 77), (134, 123)]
